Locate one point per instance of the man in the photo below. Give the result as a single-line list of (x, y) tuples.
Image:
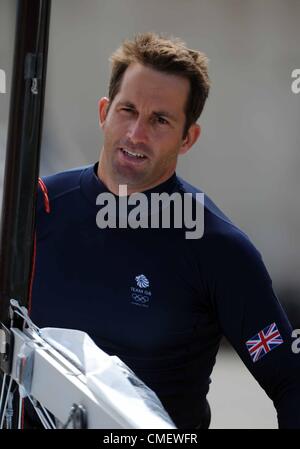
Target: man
[(158, 300)]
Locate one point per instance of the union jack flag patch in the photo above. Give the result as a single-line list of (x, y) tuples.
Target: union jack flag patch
[(263, 342)]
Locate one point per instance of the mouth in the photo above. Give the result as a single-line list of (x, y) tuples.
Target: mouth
[(132, 155)]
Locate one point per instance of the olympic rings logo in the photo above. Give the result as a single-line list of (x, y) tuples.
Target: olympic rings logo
[(140, 298)]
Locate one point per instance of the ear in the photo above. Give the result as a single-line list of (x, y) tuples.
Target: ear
[(102, 109), (191, 137)]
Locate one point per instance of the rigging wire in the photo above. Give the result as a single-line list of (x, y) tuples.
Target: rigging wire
[(6, 403)]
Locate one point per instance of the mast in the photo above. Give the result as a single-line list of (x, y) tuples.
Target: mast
[(23, 155)]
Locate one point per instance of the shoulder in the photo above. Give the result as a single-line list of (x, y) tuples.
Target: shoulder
[(224, 246), (63, 183), (216, 222), (58, 195)]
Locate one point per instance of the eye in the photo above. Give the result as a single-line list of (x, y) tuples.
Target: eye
[(125, 109), (162, 121)]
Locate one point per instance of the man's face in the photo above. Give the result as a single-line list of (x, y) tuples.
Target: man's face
[(143, 129)]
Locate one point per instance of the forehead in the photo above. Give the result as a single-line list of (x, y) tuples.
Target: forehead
[(151, 88)]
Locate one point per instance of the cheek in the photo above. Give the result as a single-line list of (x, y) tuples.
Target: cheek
[(110, 129), (168, 143), (170, 137), (116, 127)]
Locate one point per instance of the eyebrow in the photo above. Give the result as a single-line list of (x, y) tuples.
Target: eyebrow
[(160, 113)]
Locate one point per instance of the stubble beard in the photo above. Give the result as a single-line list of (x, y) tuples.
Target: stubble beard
[(133, 178), (113, 174)]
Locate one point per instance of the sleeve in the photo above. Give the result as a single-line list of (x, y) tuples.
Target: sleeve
[(254, 322)]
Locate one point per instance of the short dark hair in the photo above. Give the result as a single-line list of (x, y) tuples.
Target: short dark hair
[(168, 55)]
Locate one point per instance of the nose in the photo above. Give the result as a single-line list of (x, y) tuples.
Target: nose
[(137, 132)]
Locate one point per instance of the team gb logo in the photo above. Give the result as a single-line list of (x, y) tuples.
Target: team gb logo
[(142, 281)]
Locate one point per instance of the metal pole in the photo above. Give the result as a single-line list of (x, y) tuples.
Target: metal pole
[(23, 153)]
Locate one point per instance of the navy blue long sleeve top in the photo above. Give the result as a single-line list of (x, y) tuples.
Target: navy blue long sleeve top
[(162, 302)]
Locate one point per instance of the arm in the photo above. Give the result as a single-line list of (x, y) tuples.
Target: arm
[(246, 306)]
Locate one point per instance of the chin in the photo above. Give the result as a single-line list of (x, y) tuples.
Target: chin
[(129, 176)]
